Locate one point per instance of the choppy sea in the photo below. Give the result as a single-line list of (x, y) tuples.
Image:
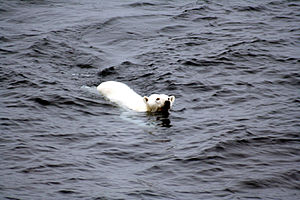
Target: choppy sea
[(233, 133)]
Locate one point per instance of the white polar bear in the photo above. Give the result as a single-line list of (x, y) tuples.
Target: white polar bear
[(122, 95)]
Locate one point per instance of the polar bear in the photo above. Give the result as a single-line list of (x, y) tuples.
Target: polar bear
[(124, 96)]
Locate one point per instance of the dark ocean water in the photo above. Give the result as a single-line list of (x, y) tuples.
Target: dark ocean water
[(233, 133)]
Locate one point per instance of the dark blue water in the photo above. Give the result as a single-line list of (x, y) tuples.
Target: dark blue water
[(233, 133)]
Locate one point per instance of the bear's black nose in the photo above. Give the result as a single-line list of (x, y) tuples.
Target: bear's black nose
[(167, 105)]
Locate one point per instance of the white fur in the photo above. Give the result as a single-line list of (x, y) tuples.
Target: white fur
[(122, 95)]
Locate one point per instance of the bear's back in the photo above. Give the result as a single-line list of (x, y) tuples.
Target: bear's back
[(121, 94)]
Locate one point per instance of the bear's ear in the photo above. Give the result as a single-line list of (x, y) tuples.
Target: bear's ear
[(145, 99), (172, 99)]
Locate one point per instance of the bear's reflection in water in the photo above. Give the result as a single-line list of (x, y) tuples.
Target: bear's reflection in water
[(161, 118), (147, 119)]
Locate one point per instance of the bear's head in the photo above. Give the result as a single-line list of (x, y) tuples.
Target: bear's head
[(159, 102)]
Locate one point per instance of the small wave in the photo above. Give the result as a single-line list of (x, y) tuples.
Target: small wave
[(250, 8), (206, 18), (57, 100), (205, 63), (7, 52), (140, 4), (289, 179), (107, 72), (173, 29), (192, 12)]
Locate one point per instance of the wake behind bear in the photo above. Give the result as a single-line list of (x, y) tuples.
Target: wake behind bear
[(124, 96)]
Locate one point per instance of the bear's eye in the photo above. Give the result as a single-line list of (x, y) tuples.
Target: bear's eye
[(157, 99)]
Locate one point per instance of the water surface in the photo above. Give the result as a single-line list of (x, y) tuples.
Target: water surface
[(233, 132)]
